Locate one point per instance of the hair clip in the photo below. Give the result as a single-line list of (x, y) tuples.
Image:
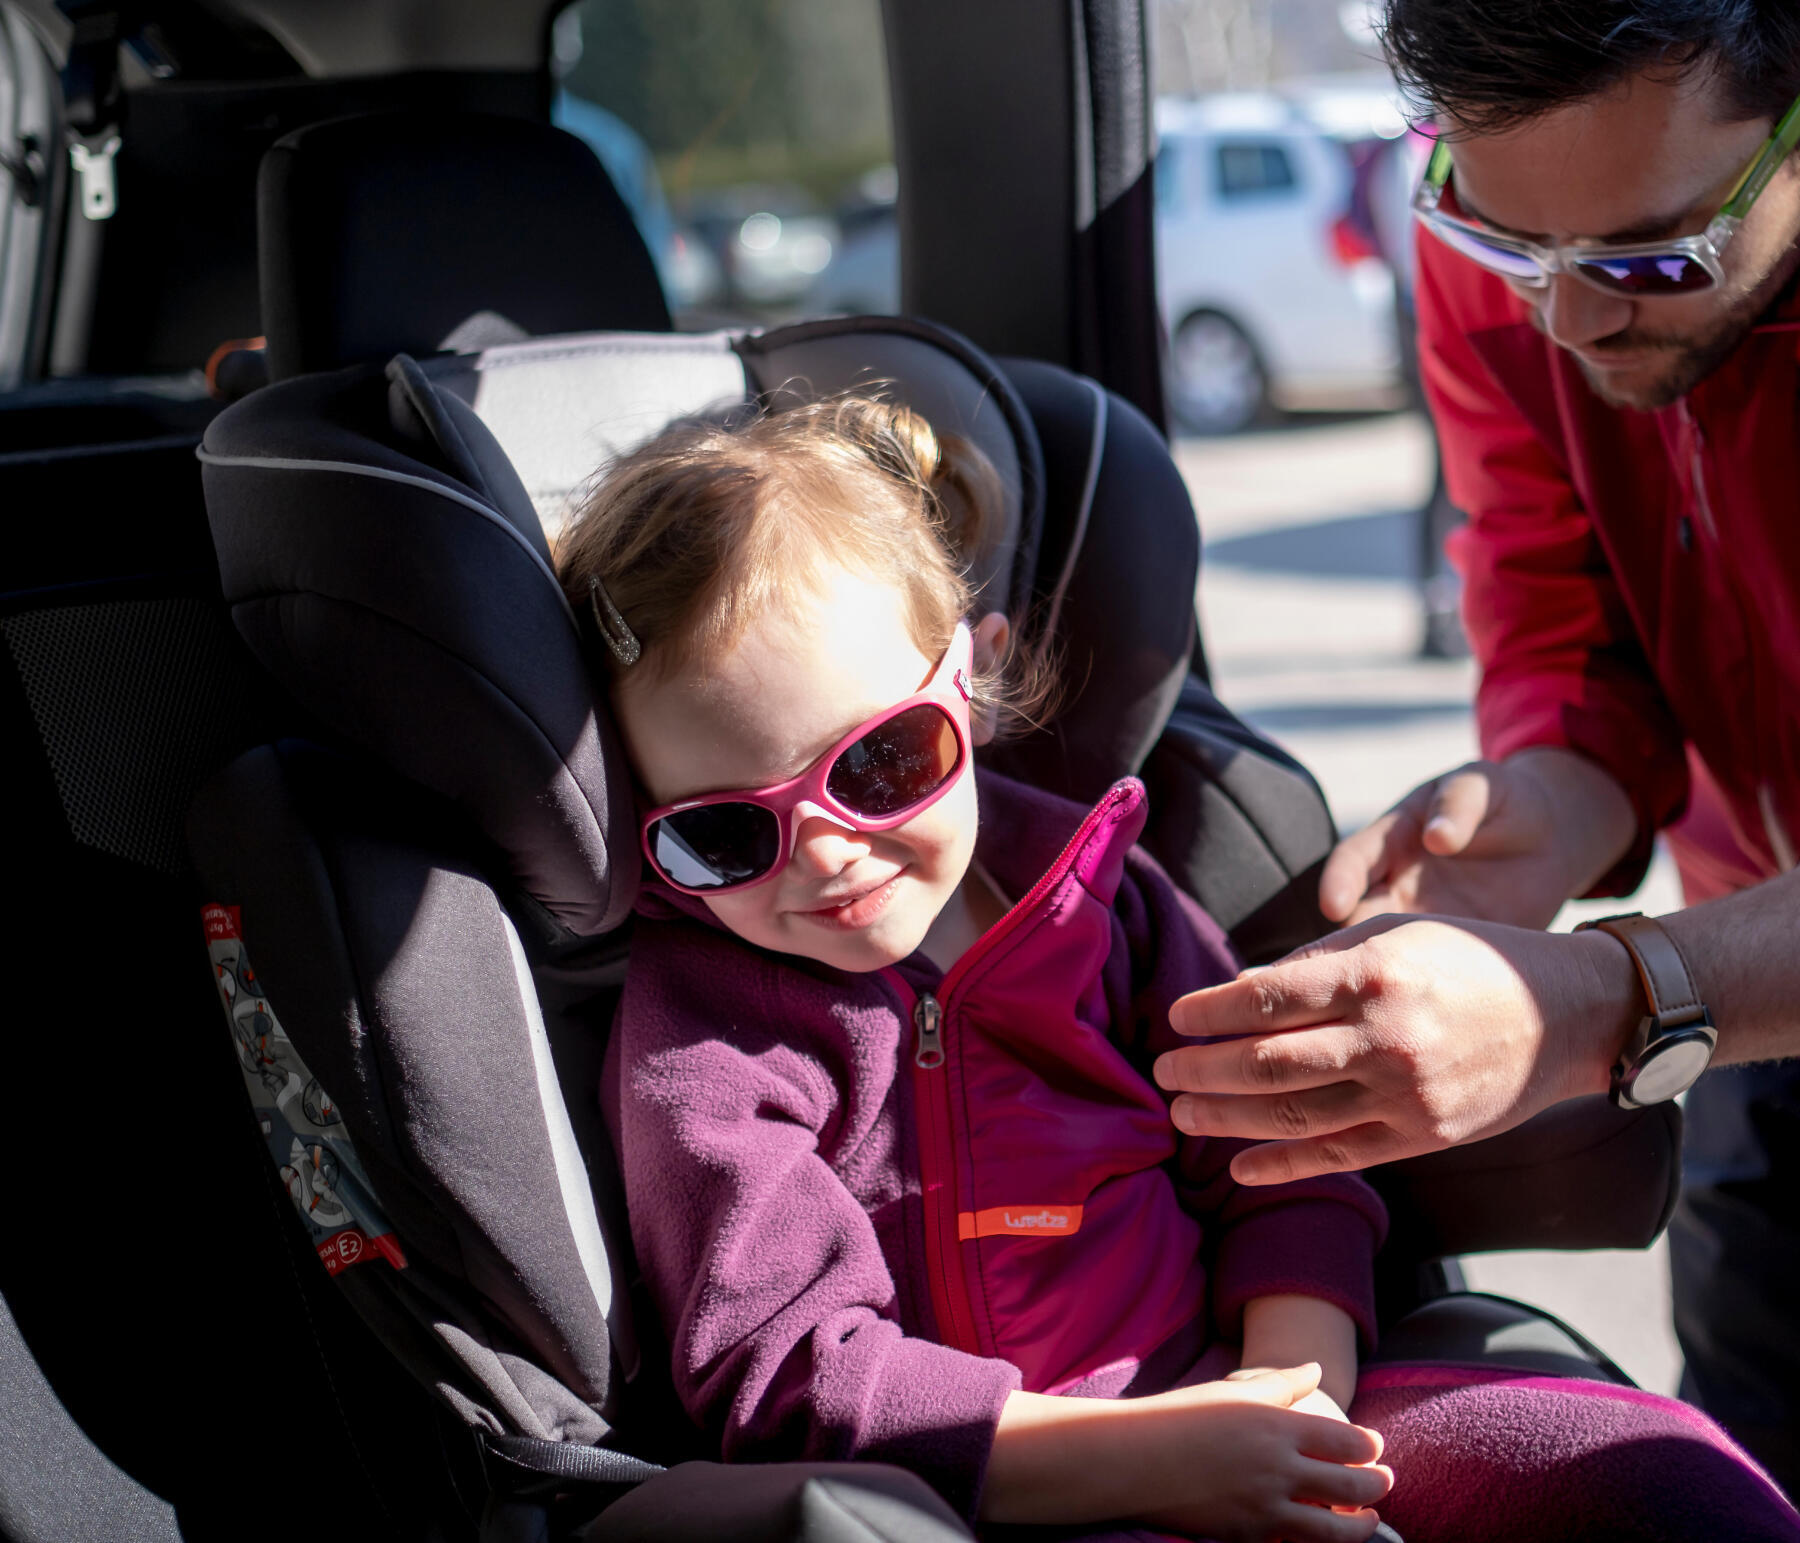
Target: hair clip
[(617, 636)]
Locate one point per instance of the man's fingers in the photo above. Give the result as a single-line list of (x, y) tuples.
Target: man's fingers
[(1274, 1116), (1462, 803), (1361, 861), (1262, 1063), (1345, 1151), (1292, 995)]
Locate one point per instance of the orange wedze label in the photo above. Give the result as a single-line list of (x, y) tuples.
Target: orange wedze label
[(1019, 1221)]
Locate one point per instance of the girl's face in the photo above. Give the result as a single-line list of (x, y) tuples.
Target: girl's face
[(790, 690)]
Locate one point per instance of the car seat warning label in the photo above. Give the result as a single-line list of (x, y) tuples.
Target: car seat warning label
[(299, 1121)]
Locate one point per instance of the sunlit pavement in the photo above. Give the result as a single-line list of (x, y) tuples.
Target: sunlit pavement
[(1310, 603)]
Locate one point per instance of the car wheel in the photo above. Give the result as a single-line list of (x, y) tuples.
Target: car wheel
[(1217, 384)]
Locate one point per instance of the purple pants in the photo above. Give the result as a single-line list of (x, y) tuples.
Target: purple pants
[(1487, 1456), (1480, 1454)]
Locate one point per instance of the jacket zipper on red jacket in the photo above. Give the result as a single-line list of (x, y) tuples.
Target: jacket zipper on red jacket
[(1775, 832), (931, 1018)]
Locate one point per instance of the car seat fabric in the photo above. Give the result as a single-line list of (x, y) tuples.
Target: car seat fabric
[(56, 1486), (389, 964), (356, 216), (1239, 821), (396, 580), (150, 1270)]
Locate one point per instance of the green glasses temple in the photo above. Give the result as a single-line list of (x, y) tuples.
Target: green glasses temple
[(1749, 187)]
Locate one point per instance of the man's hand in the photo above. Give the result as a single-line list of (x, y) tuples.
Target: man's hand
[(1504, 841), (1398, 1037)]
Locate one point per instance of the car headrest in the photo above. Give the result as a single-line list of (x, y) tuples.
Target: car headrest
[(383, 558), (561, 407), (382, 234)]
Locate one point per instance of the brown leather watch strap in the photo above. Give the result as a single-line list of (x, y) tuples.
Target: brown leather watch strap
[(1667, 981)]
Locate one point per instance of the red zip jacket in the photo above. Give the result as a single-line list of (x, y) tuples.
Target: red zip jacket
[(1632, 580), (869, 1206)]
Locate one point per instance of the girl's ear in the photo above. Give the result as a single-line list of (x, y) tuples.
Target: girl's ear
[(991, 635)]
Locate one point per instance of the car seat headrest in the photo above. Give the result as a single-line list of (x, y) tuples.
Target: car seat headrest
[(561, 407), (381, 543), (383, 234), (382, 560)]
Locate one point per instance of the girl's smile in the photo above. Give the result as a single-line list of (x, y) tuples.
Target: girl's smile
[(791, 688)]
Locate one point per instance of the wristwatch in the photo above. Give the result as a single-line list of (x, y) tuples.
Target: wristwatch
[(1672, 1044)]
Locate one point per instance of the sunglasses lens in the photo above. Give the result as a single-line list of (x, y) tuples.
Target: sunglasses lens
[(1666, 273), (1491, 253), (896, 764), (716, 845)]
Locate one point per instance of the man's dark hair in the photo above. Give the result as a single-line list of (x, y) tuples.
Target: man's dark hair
[(1492, 64)]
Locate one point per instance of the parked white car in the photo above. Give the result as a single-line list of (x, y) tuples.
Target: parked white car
[(1269, 294)]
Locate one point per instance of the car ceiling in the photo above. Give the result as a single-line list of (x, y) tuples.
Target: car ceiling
[(338, 38)]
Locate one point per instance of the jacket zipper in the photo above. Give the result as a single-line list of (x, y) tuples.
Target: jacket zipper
[(931, 1101), (937, 1179), (1775, 831)]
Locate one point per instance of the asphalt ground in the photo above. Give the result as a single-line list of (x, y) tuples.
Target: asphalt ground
[(1309, 598)]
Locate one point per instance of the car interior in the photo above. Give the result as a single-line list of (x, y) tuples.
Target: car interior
[(310, 325)]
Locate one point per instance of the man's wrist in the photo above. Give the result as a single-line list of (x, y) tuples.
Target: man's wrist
[(1607, 1002), (1596, 821)]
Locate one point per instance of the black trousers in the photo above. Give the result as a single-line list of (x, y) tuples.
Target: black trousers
[(1735, 1246)]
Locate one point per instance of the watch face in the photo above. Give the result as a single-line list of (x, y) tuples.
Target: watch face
[(1670, 1066)]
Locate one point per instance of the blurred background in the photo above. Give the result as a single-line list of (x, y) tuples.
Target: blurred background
[(753, 143)]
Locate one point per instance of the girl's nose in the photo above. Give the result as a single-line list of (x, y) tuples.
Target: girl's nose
[(1576, 314), (824, 846)]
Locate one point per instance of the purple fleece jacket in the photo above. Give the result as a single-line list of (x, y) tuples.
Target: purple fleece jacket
[(859, 1248)]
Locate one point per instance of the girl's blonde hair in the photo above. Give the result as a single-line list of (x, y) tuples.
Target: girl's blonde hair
[(701, 530)]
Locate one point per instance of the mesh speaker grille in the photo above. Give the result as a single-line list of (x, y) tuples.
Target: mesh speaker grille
[(136, 701)]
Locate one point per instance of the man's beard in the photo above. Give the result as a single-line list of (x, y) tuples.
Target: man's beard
[(1691, 357), (1689, 360)]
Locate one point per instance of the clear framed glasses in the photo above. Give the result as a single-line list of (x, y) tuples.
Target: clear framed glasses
[(1638, 270)]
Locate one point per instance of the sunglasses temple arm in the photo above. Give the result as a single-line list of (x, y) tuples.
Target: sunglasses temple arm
[(1763, 168)]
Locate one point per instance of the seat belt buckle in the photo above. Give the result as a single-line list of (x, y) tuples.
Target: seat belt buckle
[(93, 160)]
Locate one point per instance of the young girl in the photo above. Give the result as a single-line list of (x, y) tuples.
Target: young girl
[(897, 1175)]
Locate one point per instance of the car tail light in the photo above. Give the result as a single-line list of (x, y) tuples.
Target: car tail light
[(1349, 246)]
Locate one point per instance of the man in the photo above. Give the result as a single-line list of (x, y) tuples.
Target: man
[(1610, 340)]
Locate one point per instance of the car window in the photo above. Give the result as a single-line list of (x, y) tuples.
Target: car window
[(1181, 178), (752, 143), (1247, 167)]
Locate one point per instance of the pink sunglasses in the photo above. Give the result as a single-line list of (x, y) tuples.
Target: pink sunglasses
[(881, 774)]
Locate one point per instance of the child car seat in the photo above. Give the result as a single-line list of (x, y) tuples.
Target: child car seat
[(418, 917)]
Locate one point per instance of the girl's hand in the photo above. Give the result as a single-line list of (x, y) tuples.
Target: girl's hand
[(1262, 1472), (1231, 1460), (1317, 1402)]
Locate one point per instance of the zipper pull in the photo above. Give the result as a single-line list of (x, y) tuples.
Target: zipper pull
[(928, 1019)]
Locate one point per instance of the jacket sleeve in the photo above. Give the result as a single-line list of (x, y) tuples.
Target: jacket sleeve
[(1313, 1238), (1561, 662), (767, 1274)]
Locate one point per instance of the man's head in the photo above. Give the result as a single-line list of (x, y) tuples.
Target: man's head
[(1617, 120)]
